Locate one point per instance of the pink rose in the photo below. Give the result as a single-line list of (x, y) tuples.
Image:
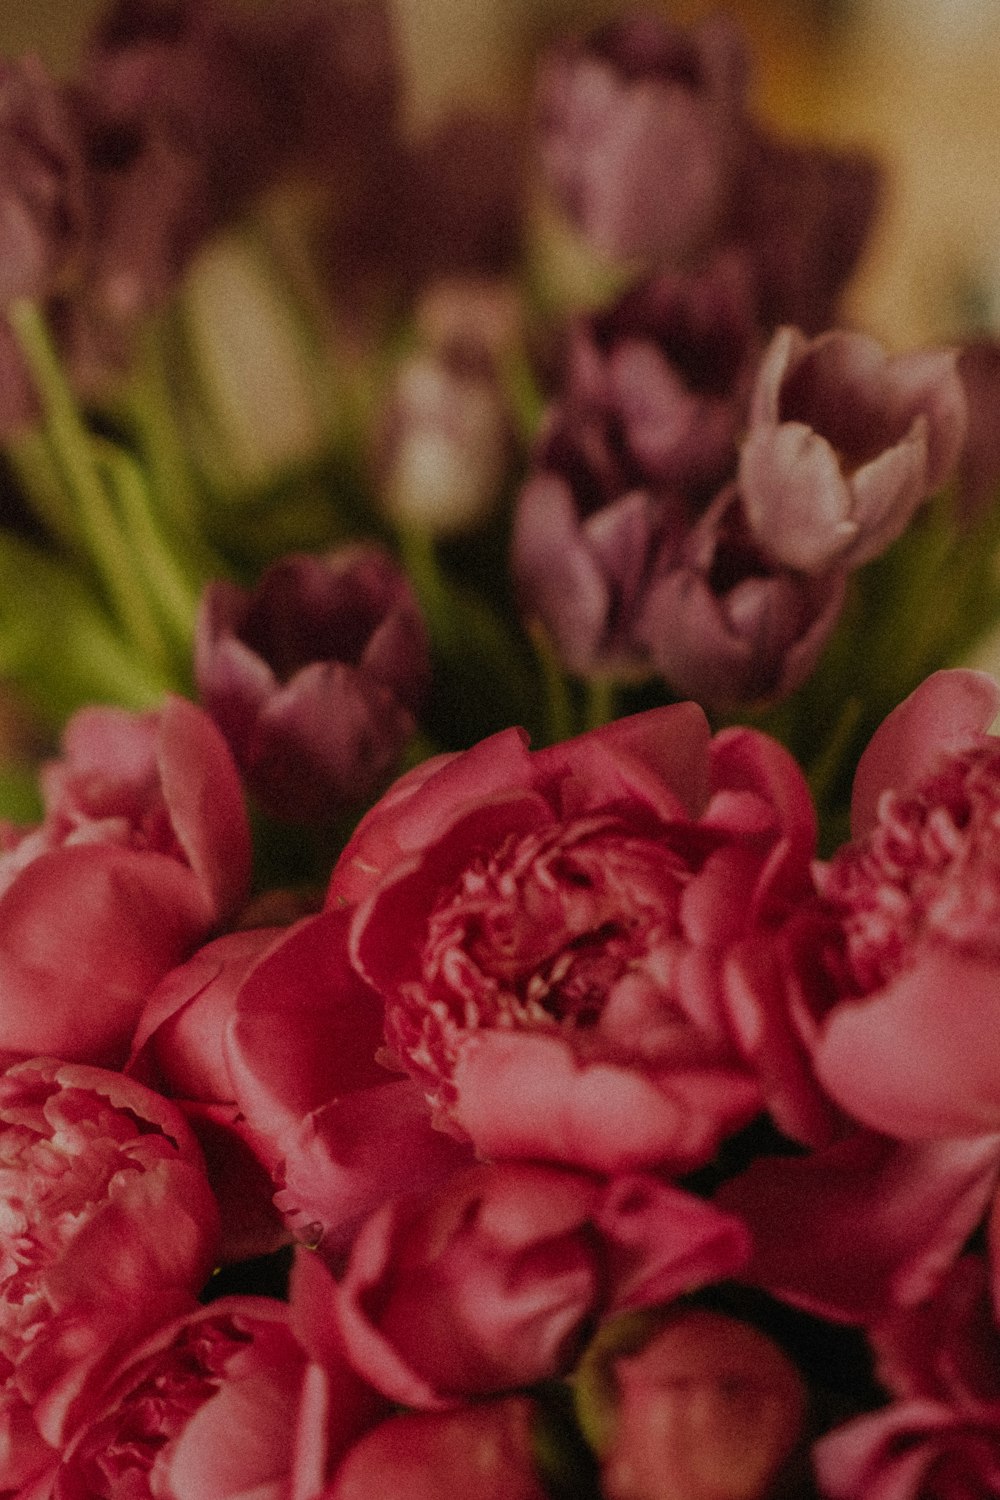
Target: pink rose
[(108, 1226), (549, 933), (494, 1280), (905, 1024), (144, 848)]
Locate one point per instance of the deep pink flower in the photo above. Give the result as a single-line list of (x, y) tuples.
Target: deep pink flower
[(223, 1402), (493, 1281), (108, 1227), (844, 443), (940, 1438), (484, 1450), (143, 850), (706, 1407), (338, 1134), (906, 1001), (314, 676), (553, 928)]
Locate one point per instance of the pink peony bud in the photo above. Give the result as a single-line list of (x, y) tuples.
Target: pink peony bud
[(709, 1409), (314, 677)]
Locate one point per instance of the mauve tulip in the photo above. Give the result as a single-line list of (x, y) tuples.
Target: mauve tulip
[(143, 850), (314, 677), (844, 443), (979, 466), (493, 1281), (484, 1450), (639, 134), (708, 1409), (906, 1018), (108, 1228), (725, 624), (940, 1437), (554, 928)]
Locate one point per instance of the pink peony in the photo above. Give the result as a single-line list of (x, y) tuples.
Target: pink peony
[(906, 1000), (245, 1397), (144, 848), (108, 1227), (940, 1437), (548, 933), (494, 1280)]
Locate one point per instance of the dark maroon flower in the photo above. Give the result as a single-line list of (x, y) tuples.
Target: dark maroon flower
[(803, 216), (979, 465), (639, 134), (42, 183), (844, 444), (314, 676)]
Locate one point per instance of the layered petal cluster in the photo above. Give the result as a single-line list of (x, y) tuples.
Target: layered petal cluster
[(553, 928), (314, 677), (144, 850), (108, 1228)]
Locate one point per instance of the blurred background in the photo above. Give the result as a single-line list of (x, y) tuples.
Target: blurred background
[(914, 79)]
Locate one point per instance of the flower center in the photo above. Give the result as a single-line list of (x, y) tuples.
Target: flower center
[(930, 868), (540, 935)]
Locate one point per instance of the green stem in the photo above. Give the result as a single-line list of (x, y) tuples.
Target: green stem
[(602, 697), (154, 413), (72, 450), (420, 559), (560, 719), (43, 487)]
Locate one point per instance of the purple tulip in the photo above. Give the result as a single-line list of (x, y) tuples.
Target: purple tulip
[(314, 677), (979, 466), (844, 444), (724, 625), (639, 134)]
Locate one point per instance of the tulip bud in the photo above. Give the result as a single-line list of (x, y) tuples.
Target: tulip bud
[(708, 1409)]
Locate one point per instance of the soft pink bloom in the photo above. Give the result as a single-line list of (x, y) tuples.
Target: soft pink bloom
[(485, 1450), (493, 1281), (143, 850), (338, 1134), (553, 929), (235, 1399), (906, 1000), (639, 134), (844, 443), (179, 1049), (314, 677), (707, 1409), (864, 1226), (940, 1437), (108, 1227)]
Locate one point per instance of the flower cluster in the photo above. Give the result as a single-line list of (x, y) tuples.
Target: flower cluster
[(439, 1052)]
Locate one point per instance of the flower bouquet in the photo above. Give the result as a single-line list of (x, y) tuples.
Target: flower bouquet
[(500, 870)]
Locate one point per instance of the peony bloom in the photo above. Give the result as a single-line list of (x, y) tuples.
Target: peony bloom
[(246, 1396), (843, 445), (904, 1004), (486, 1450), (493, 1281), (707, 1409), (639, 134), (108, 1228), (314, 677), (939, 1439), (337, 1134), (143, 850), (553, 929)]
